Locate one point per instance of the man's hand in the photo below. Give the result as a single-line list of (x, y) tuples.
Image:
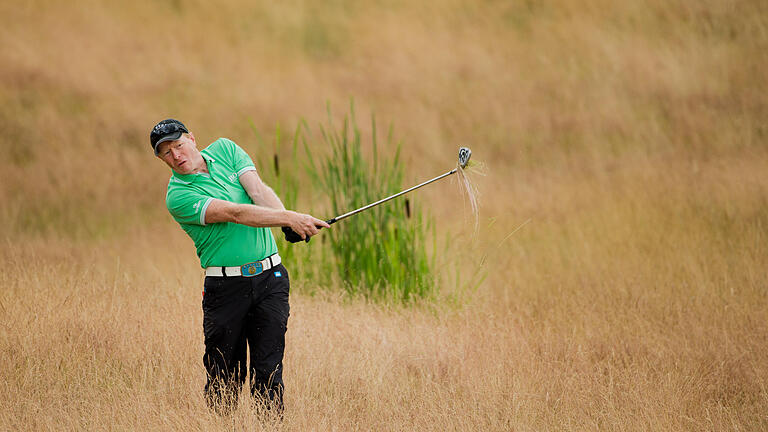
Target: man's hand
[(304, 225)]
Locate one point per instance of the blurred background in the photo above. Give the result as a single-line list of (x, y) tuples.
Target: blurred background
[(629, 139)]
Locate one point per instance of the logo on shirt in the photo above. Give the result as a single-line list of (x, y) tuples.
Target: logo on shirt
[(232, 177)]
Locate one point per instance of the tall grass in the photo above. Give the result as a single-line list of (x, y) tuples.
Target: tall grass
[(380, 253)]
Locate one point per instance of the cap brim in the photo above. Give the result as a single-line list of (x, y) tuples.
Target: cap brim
[(170, 137)]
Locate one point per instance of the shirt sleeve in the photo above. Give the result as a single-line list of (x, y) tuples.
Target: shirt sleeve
[(240, 160), (188, 206)]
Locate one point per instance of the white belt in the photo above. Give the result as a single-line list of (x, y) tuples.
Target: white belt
[(248, 270)]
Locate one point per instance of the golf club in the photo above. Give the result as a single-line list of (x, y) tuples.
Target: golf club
[(464, 155)]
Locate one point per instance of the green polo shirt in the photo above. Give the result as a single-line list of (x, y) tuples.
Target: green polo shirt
[(188, 197)]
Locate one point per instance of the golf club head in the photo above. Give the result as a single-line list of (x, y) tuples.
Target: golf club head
[(464, 154)]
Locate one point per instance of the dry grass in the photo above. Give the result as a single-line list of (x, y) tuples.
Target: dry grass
[(631, 134)]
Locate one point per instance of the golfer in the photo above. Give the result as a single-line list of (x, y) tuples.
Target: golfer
[(219, 200)]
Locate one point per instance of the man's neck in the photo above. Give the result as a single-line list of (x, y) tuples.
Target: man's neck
[(202, 166)]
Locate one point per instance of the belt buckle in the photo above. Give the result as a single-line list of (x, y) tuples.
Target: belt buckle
[(251, 269)]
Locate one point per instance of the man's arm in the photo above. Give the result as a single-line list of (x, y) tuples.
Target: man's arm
[(260, 193), (259, 216)]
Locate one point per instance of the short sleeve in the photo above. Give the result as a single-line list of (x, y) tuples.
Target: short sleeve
[(187, 206), (240, 160)]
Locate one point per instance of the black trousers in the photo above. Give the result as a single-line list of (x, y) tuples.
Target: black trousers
[(239, 314)]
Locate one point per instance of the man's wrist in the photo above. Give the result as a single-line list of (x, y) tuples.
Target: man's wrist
[(285, 216)]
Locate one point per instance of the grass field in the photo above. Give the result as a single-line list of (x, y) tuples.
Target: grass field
[(628, 139)]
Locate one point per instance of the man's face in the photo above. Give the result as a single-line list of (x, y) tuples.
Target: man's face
[(181, 155)]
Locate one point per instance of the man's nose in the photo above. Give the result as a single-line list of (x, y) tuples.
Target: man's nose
[(175, 153)]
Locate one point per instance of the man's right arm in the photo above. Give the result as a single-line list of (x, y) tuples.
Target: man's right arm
[(258, 216)]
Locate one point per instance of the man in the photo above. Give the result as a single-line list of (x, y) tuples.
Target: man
[(219, 200)]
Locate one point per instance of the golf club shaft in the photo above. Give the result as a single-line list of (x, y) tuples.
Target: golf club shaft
[(353, 212)]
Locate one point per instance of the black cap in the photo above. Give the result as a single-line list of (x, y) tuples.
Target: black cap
[(166, 130)]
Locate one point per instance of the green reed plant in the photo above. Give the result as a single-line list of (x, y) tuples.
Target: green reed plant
[(380, 253)]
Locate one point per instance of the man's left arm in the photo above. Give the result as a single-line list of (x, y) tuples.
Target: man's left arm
[(260, 193)]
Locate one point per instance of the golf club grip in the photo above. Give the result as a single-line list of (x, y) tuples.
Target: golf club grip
[(293, 237)]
